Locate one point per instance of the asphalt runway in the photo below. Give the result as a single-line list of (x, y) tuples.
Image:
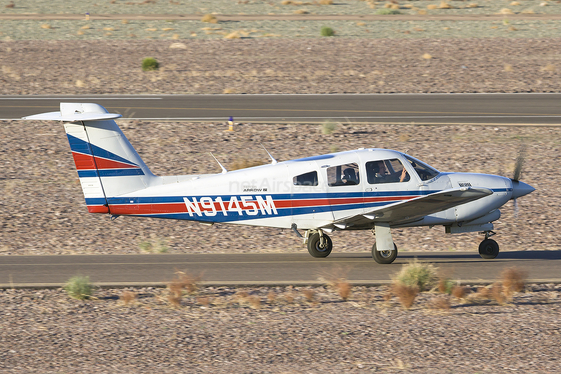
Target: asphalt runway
[(476, 109), (264, 269)]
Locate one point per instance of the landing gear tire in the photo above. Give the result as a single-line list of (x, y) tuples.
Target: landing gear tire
[(488, 249), (316, 248), (384, 257)]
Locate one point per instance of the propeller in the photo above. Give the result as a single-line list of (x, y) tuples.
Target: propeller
[(519, 163), (517, 185)]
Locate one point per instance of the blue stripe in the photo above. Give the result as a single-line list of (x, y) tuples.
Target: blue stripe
[(78, 145), (87, 173), (110, 173), (119, 172)]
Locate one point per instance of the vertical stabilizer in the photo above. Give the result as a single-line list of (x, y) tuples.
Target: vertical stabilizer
[(107, 164)]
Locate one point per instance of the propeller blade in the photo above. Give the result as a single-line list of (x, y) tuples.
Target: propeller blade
[(516, 208), (519, 163)]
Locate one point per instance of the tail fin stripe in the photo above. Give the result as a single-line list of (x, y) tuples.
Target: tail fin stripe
[(83, 147)]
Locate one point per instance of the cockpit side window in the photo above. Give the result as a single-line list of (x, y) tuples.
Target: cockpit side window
[(307, 179), (425, 172), (343, 175), (386, 171)]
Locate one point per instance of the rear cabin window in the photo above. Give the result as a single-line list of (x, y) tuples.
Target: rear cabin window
[(386, 171), (307, 179), (343, 175)]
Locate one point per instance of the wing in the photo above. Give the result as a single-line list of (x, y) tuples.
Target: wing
[(414, 209)]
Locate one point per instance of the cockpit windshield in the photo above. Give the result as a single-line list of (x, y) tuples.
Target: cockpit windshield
[(424, 171)]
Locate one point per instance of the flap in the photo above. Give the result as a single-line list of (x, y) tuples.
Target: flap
[(416, 208)]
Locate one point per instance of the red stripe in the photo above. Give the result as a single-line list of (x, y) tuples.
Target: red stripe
[(86, 162), (98, 209)]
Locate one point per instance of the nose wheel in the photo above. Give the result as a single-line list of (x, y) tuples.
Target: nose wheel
[(488, 249)]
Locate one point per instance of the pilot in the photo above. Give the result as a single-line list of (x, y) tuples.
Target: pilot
[(349, 176)]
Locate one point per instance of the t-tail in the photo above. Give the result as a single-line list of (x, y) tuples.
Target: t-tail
[(106, 162)]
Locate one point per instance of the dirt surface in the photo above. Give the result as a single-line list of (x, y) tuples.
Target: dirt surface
[(281, 66), (225, 330)]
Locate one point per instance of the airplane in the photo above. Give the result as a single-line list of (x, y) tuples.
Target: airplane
[(364, 189)]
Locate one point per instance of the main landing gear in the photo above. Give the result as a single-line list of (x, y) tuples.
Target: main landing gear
[(384, 257), (488, 249), (319, 244)]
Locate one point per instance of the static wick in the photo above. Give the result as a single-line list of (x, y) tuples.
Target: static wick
[(231, 124)]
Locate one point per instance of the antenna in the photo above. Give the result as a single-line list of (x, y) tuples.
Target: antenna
[(273, 161), (224, 171)]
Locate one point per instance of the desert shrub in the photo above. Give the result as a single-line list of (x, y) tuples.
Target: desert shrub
[(417, 274), (328, 127), (150, 64), (387, 11), (79, 287), (327, 31)]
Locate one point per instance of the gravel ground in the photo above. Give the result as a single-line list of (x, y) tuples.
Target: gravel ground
[(281, 66), (271, 29), (43, 210), (226, 330), (268, 7)]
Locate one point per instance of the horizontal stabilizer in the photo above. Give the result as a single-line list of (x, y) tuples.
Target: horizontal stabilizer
[(76, 112)]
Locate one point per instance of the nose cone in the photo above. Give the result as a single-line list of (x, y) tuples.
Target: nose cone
[(520, 189)]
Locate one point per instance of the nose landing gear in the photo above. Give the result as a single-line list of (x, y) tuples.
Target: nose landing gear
[(488, 249)]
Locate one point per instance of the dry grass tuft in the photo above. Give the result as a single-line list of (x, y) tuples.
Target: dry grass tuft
[(405, 294), (459, 292), (427, 56), (432, 6), (325, 2), (440, 303), (271, 297), (243, 163), (472, 5), (309, 294), (128, 297), (255, 302), (204, 301), (513, 280), (175, 301), (445, 5), (344, 289), (242, 295), (228, 91), (209, 18), (233, 35), (445, 285), (508, 67), (549, 67), (46, 26), (497, 293), (289, 298), (515, 3), (336, 278), (506, 11)]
